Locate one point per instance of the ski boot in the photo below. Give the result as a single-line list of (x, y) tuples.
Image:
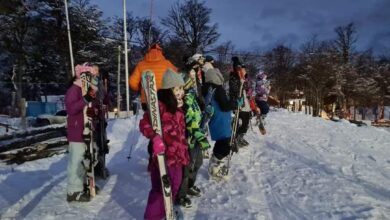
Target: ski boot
[(78, 197), (184, 202), (217, 169), (241, 142), (261, 124), (206, 154), (194, 191)]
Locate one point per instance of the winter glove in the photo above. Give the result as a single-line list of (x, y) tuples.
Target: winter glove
[(91, 112), (158, 145), (240, 102), (209, 110)]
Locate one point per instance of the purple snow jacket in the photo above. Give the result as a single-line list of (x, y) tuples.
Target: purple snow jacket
[(74, 104), (262, 87)]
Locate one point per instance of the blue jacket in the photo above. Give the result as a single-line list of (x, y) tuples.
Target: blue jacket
[(221, 121)]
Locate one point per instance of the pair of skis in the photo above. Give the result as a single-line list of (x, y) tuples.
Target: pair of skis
[(233, 143), (101, 139), (148, 82), (90, 159)]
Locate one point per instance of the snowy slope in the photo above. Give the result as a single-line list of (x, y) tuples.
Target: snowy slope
[(304, 168)]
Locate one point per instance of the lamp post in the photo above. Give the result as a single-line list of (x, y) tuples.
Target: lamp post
[(69, 37), (126, 58)]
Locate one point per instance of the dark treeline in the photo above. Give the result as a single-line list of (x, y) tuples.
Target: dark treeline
[(34, 52)]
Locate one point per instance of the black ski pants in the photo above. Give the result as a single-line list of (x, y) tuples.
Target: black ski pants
[(191, 170), (263, 105), (244, 125), (222, 148)]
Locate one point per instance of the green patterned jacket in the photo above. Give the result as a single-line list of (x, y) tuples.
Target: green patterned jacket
[(193, 117)]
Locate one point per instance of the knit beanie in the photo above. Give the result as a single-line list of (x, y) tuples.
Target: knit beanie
[(237, 63), (214, 76), (209, 58), (171, 79)]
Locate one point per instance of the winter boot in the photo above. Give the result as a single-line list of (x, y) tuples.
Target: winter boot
[(194, 191), (262, 124), (241, 141), (206, 154), (78, 197), (184, 202), (217, 168)]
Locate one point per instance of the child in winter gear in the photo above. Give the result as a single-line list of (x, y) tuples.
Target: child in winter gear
[(262, 91), (75, 102), (220, 122), (197, 141), (173, 142), (237, 77), (194, 66)]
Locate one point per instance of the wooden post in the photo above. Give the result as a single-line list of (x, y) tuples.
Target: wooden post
[(13, 99), (23, 113)]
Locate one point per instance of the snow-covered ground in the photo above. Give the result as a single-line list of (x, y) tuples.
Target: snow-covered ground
[(304, 168)]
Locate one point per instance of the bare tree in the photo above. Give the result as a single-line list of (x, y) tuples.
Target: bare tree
[(117, 28), (148, 33), (278, 63), (316, 68), (190, 22), (223, 51), (346, 38)]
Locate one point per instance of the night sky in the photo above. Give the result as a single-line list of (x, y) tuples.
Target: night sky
[(258, 25)]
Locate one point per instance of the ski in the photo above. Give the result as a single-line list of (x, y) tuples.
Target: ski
[(206, 115), (101, 134), (236, 118), (90, 153), (149, 85)]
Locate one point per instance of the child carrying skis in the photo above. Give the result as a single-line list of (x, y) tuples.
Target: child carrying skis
[(220, 123), (237, 82), (173, 143), (75, 101)]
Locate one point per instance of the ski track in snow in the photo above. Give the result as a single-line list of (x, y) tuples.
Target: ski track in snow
[(304, 168)]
